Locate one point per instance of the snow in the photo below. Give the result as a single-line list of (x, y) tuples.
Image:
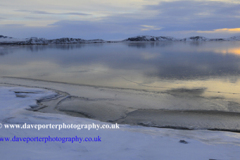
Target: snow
[(43, 41), (151, 38), (196, 38), (141, 107), (11, 40), (128, 142), (234, 38), (188, 39), (9, 94)]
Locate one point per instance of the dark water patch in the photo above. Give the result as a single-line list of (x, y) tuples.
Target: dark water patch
[(186, 92), (102, 110), (178, 119)]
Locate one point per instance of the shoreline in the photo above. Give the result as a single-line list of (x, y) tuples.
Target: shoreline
[(114, 109), (127, 142), (4, 40)]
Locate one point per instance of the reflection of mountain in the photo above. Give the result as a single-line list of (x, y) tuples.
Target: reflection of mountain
[(4, 51), (180, 61), (42, 48), (36, 48), (147, 45), (173, 61), (195, 66)]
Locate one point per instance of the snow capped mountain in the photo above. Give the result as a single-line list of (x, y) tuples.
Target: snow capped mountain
[(151, 38), (195, 39), (33, 40), (95, 41), (73, 41), (234, 38), (166, 38), (4, 40), (43, 41), (1, 36), (65, 41)]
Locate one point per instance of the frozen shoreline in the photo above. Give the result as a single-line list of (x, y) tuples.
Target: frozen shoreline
[(126, 106), (129, 142)]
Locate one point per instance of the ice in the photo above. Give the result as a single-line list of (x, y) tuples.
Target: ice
[(129, 142), (137, 107)]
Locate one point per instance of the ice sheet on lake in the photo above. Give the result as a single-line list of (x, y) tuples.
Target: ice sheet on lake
[(129, 142), (170, 109)]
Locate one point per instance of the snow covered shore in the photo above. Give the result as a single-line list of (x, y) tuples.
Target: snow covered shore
[(128, 142)]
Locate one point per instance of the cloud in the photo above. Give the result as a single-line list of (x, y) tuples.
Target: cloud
[(51, 13), (173, 18), (14, 25), (34, 12), (196, 15), (33, 18), (75, 13), (230, 30), (147, 28), (104, 29)]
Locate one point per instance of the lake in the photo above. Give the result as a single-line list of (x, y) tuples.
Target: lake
[(205, 73)]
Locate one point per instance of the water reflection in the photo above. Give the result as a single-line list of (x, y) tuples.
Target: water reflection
[(183, 65), (4, 51), (235, 51), (163, 60), (36, 48), (211, 65), (148, 44)]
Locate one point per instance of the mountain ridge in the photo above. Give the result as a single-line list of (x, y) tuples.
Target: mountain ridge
[(5, 40)]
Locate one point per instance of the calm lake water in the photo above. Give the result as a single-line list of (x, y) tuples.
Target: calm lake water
[(209, 69)]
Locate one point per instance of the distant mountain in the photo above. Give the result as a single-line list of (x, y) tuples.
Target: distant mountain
[(151, 38), (4, 40), (194, 39), (1, 36), (201, 39), (43, 41), (189, 39), (234, 38)]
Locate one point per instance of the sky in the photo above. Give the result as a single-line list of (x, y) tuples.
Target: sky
[(116, 20)]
